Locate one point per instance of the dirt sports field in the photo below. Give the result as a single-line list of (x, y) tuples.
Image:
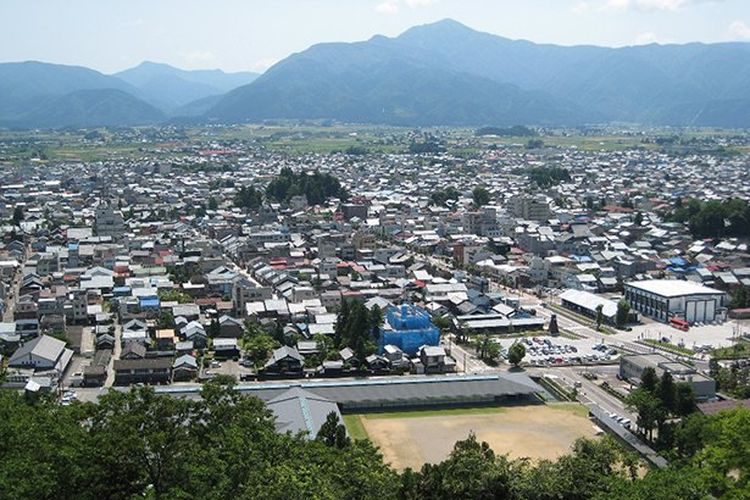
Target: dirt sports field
[(414, 438)]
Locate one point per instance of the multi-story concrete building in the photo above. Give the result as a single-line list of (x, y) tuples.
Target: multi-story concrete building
[(108, 221), (632, 367), (530, 207), (665, 299)]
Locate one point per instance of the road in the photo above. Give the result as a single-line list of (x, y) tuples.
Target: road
[(466, 360), (115, 355), (12, 295)]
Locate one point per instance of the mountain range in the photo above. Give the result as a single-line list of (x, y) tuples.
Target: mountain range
[(41, 95), (437, 74)]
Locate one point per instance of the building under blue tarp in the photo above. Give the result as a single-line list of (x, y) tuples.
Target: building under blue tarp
[(408, 327), (149, 303)]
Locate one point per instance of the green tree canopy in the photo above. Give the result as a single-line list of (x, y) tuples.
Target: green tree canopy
[(248, 197), (516, 353), (316, 187), (480, 196), (623, 312)]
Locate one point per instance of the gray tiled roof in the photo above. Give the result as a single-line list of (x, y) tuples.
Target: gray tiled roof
[(403, 391), (298, 410), (45, 347)]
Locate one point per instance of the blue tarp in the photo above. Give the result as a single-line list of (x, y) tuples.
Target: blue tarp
[(410, 329), (581, 258), (149, 303), (678, 262)]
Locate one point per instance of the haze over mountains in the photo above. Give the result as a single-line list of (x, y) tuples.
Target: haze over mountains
[(439, 74), (35, 94)]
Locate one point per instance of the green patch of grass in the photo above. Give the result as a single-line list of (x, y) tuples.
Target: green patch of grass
[(667, 347), (570, 335), (739, 350), (586, 143), (354, 427), (479, 410), (575, 408)]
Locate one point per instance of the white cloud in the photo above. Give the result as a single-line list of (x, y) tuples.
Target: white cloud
[(387, 7), (738, 29), (198, 57), (420, 3), (652, 5), (646, 38), (581, 7), (261, 65)]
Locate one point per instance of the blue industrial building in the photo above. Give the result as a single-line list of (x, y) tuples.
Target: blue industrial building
[(408, 327)]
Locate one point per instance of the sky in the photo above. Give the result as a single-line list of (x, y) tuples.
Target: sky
[(240, 35)]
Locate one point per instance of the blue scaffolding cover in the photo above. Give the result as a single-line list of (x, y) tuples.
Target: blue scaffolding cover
[(410, 329)]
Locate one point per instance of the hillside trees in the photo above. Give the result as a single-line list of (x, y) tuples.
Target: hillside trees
[(316, 187), (357, 328), (714, 218), (248, 197), (225, 445)]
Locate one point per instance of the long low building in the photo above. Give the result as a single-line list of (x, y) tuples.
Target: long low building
[(147, 371), (377, 394), (586, 303), (498, 323), (665, 299)]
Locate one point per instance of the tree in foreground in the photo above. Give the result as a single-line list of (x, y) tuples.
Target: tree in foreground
[(623, 311), (333, 432), (487, 349), (516, 353), (139, 444), (599, 316)]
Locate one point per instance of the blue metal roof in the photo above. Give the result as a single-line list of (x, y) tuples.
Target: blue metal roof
[(149, 302)]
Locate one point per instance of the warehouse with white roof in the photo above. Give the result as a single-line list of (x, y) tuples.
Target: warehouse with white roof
[(667, 299), (587, 303)]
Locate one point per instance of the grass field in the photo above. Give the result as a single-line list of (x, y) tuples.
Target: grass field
[(740, 349), (413, 438), (586, 143), (667, 347)]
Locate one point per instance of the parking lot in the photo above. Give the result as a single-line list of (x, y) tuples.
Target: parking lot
[(226, 367), (697, 337), (548, 350)]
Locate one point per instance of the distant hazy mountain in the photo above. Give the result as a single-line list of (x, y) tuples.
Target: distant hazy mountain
[(197, 108), (35, 94), (438, 74), (446, 73), (379, 81), (23, 83), (170, 88), (91, 108)]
